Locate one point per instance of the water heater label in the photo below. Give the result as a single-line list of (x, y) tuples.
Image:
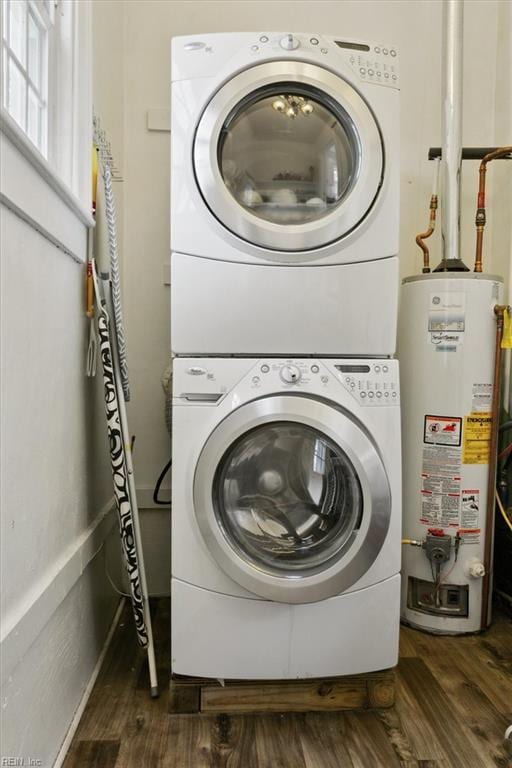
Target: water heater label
[(442, 430), (447, 318), (440, 509), (441, 473), (470, 509), (469, 536), (481, 400), (476, 443)]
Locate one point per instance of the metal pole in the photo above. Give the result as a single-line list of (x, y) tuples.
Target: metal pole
[(453, 29)]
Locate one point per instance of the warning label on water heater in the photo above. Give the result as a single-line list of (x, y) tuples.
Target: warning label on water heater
[(477, 438), (441, 472), (439, 509), (469, 536), (442, 430), (470, 509)]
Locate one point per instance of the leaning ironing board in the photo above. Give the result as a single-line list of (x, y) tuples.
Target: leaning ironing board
[(122, 474)]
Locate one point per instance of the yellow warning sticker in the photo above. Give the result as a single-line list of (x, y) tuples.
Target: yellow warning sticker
[(476, 438), (506, 342)]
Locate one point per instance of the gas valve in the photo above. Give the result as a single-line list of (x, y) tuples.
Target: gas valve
[(437, 546)]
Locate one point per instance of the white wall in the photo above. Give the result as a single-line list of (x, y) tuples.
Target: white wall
[(415, 27), (56, 490)]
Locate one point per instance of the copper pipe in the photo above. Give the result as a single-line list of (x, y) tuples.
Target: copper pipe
[(432, 221), (480, 218), (499, 311), (423, 235)]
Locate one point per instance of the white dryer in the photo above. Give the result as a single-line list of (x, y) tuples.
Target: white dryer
[(284, 195), (286, 517)]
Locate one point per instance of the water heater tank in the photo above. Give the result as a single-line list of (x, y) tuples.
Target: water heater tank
[(446, 348)]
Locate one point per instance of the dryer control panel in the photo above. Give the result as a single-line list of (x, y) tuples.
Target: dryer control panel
[(372, 62)]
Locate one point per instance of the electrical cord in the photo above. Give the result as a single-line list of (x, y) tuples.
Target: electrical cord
[(156, 492), (127, 594), (502, 510), (505, 452)]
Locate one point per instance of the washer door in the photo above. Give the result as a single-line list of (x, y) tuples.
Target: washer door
[(292, 499), (288, 156)]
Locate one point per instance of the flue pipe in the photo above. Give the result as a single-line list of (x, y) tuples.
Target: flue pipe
[(453, 29)]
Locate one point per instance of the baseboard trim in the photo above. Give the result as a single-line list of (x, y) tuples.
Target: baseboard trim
[(63, 751), (24, 623)]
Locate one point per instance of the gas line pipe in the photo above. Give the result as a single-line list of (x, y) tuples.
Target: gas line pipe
[(499, 312), (480, 218), (432, 221)]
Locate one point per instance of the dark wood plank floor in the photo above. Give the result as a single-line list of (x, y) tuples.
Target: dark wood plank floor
[(454, 701)]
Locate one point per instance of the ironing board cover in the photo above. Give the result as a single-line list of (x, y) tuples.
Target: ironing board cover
[(121, 489)]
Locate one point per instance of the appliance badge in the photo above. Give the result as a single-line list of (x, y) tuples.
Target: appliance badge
[(196, 370)]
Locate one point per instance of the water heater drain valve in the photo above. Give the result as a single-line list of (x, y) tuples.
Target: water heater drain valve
[(476, 568)]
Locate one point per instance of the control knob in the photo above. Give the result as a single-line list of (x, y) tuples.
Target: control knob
[(289, 43), (290, 374)]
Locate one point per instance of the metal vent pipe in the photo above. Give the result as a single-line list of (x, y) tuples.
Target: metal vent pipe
[(453, 29)]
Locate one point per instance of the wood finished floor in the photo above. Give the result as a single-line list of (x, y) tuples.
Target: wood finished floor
[(454, 701)]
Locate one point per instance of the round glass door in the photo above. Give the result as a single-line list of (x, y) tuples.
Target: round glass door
[(291, 498), (287, 498), (288, 154)]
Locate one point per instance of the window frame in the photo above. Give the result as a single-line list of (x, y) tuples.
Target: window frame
[(65, 167), (41, 13)]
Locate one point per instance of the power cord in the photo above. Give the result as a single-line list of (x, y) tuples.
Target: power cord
[(156, 492), (127, 594)]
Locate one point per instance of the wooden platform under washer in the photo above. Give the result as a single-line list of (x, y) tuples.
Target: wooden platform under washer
[(190, 695)]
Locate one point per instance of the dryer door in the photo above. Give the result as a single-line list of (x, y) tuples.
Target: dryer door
[(292, 499), (288, 156)]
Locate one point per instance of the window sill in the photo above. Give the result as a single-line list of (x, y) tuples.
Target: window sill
[(31, 188)]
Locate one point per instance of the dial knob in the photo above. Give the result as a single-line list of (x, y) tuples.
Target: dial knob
[(289, 43), (290, 374)]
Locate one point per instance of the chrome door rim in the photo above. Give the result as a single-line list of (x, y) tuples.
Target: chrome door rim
[(344, 430), (277, 237)]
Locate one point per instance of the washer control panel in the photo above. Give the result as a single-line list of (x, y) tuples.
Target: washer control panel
[(290, 374), (378, 65), (371, 383)]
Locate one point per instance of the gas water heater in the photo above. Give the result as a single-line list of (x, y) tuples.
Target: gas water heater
[(446, 347), (450, 335)]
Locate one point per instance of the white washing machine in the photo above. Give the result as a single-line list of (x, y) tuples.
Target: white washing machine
[(286, 517), (284, 195)]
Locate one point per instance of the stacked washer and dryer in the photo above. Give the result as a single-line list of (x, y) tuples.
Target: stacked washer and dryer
[(286, 506)]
